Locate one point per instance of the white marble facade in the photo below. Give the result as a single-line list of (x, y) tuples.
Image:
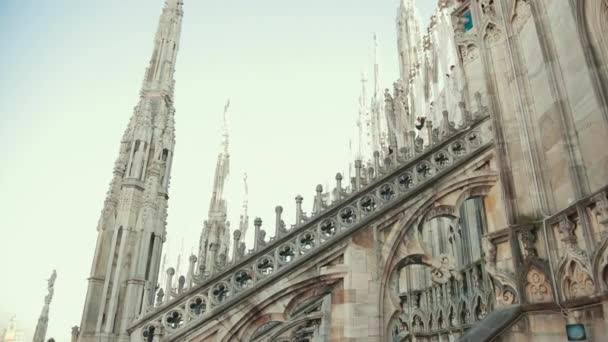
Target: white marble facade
[(480, 185)]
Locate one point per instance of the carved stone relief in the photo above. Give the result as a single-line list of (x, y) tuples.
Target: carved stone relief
[(566, 229), (504, 284), (468, 52), (492, 34), (538, 289), (521, 13), (576, 281), (601, 210), (487, 8)]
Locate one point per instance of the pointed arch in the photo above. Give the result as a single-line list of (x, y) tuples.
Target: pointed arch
[(575, 279), (600, 266)]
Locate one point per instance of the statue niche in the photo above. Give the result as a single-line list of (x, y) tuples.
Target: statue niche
[(138, 160)]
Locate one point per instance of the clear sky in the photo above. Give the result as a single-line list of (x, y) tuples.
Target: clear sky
[(70, 75)]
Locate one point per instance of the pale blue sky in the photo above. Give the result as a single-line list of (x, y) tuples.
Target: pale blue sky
[(70, 74)]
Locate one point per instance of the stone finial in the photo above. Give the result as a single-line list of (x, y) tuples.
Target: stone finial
[(318, 206), (429, 128), (299, 213), (241, 250), (189, 276), (358, 164), (181, 284), (377, 161), (235, 245), (338, 176), (279, 224), (466, 115), (370, 174), (259, 234)]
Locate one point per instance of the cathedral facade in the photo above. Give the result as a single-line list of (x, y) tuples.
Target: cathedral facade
[(478, 209)]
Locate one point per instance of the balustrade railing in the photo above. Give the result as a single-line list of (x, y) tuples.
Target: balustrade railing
[(392, 182), (454, 305)]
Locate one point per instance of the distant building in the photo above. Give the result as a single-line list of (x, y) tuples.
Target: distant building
[(11, 333)]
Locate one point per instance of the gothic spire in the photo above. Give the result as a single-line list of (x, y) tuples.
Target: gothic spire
[(376, 67), (159, 75), (244, 223), (215, 237), (43, 320), (132, 226), (222, 169)]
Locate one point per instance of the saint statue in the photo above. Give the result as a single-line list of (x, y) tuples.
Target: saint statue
[(138, 159)]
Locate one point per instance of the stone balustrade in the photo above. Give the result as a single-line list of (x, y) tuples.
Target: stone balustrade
[(453, 305), (395, 180)]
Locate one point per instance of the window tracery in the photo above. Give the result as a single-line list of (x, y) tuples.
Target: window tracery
[(434, 299)]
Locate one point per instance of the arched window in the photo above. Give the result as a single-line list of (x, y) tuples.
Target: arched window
[(458, 236)]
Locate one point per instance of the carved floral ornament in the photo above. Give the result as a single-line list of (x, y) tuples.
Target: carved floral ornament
[(576, 281), (538, 289)]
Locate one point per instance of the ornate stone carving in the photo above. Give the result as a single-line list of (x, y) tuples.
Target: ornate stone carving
[(538, 289), (487, 8), (521, 13), (601, 209), (576, 281), (504, 283), (468, 52), (567, 229), (527, 238), (492, 34), (417, 325)]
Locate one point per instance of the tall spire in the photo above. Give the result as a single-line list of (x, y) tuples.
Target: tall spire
[(43, 320), (159, 75), (363, 120), (376, 66), (244, 223), (215, 237), (377, 127), (408, 38), (132, 226), (222, 169)]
